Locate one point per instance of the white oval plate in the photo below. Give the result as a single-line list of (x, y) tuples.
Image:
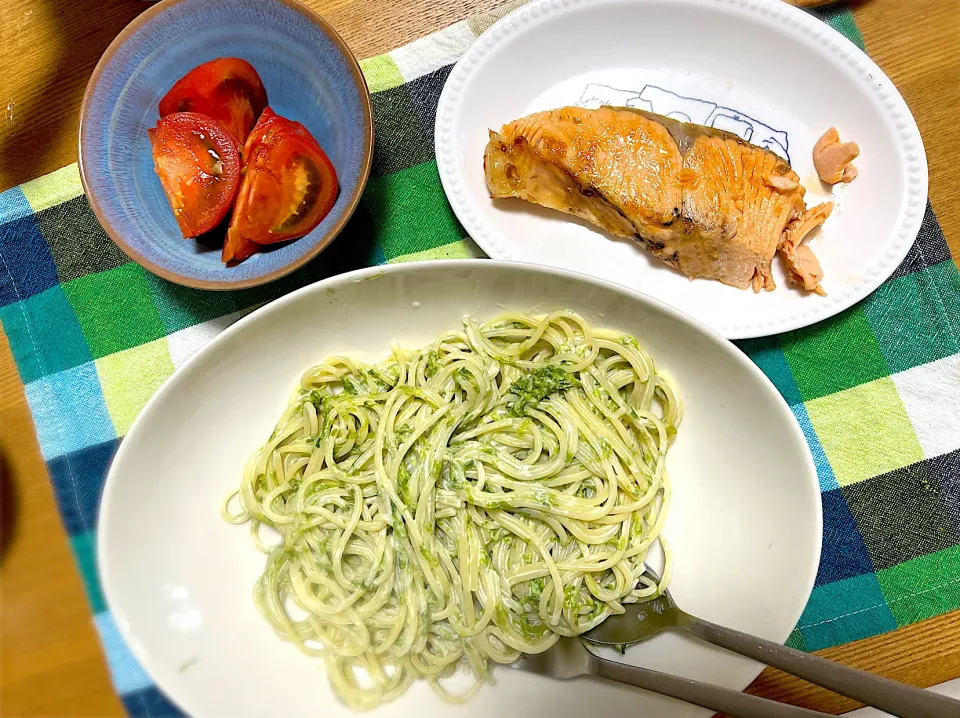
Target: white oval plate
[(760, 68), (745, 524)]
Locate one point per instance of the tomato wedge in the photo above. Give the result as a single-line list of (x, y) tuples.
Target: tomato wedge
[(271, 124), (227, 89), (198, 163), (289, 186)]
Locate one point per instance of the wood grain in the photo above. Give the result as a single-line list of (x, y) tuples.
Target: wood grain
[(48, 51), (923, 654), (51, 662), (916, 43)]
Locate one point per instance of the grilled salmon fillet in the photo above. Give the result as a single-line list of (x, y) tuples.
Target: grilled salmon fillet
[(700, 199)]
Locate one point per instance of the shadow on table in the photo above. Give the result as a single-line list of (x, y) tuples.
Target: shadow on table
[(66, 37), (8, 508)]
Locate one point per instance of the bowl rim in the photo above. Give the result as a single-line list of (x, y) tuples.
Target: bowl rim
[(164, 273)]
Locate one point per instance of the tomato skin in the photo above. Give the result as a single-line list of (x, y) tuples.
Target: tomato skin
[(289, 184), (227, 89), (198, 163)]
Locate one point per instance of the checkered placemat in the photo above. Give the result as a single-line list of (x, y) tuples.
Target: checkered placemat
[(876, 389)]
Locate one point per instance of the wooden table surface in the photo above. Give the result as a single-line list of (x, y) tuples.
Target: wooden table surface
[(51, 661)]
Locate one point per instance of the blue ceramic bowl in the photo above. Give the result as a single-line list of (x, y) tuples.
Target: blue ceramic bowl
[(310, 76)]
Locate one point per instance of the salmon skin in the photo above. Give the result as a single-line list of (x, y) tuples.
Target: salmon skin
[(701, 199)]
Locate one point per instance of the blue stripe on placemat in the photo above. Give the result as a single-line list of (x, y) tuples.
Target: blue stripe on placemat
[(125, 670)]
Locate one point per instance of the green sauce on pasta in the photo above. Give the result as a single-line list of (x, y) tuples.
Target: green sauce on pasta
[(461, 504)]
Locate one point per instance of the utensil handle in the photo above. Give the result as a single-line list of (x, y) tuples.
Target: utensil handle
[(891, 696), (723, 700)]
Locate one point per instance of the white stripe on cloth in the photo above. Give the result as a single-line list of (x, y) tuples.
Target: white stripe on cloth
[(428, 54), (931, 395), (186, 342)]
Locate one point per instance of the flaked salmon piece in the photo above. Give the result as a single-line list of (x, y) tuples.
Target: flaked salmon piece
[(700, 199), (801, 263), (832, 158), (803, 225), (763, 280), (804, 269)]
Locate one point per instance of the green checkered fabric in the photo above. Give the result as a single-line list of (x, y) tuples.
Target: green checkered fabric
[(874, 389)]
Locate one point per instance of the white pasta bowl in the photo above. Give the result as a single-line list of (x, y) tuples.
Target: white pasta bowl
[(745, 523)]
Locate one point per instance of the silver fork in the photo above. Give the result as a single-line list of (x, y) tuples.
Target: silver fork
[(569, 658)]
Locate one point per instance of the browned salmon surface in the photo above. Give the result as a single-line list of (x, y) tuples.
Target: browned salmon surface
[(700, 199)]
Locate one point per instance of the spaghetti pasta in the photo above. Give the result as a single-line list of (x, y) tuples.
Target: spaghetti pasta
[(461, 504)]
